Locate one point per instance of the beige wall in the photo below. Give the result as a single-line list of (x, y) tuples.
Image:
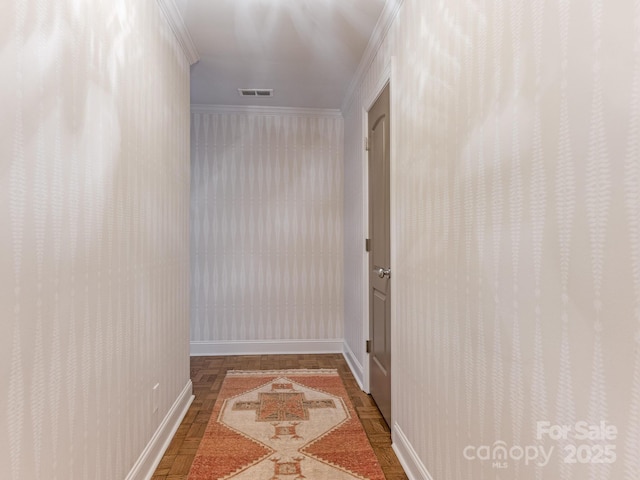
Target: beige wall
[(266, 244), (516, 253), (94, 182)]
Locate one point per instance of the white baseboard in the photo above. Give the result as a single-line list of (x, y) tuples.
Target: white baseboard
[(413, 466), (355, 366), (265, 347), (152, 454)]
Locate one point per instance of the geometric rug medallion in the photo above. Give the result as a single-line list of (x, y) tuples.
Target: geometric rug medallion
[(284, 425)]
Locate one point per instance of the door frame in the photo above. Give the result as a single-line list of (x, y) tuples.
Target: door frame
[(387, 77)]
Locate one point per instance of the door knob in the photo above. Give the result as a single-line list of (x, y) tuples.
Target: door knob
[(384, 272)]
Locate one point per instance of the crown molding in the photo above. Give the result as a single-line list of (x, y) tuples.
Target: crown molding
[(380, 31), (267, 111), (176, 22)]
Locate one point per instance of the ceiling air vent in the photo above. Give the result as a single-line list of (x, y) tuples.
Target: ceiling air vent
[(256, 92)]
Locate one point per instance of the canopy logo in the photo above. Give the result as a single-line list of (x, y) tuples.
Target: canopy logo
[(500, 452), (581, 443)]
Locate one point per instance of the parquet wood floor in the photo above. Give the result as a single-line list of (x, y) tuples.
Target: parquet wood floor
[(207, 374)]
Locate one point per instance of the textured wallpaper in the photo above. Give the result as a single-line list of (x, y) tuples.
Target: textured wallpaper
[(94, 207), (516, 245), (266, 226)]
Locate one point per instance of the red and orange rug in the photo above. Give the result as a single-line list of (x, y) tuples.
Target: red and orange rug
[(284, 425)]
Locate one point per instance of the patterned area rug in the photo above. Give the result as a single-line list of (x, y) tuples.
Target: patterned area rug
[(284, 425)]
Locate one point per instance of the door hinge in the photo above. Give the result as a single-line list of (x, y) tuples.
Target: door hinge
[(368, 346), (367, 244), (366, 143)]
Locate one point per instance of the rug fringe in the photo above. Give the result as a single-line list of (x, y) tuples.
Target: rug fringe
[(292, 371)]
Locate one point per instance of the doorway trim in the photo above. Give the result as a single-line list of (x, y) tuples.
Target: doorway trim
[(386, 77)]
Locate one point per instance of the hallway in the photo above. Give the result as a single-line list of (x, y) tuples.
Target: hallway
[(142, 221)]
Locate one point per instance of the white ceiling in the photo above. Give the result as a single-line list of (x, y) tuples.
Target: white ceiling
[(306, 50)]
